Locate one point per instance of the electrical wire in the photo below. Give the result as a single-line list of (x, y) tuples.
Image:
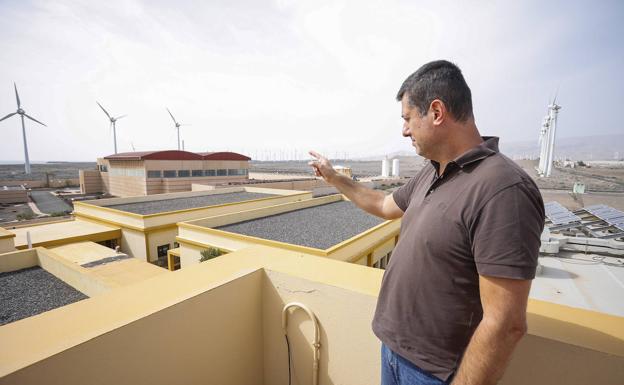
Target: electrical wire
[(289, 364)]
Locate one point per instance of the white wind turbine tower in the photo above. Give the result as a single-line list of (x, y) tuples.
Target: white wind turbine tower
[(112, 124), (547, 139), (22, 113), (177, 126)]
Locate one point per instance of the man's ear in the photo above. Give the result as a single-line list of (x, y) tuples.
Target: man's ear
[(438, 109)]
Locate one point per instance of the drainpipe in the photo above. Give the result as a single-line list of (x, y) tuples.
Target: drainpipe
[(317, 342)]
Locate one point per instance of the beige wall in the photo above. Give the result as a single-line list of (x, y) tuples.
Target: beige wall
[(349, 349), (161, 237), (17, 260), (219, 323), (13, 196), (127, 186), (90, 181), (539, 360), (212, 338), (7, 241), (133, 244), (72, 274)]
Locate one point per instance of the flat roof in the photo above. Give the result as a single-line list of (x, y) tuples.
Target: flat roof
[(321, 226), (586, 281), (117, 269), (32, 291), (184, 203), (41, 235)]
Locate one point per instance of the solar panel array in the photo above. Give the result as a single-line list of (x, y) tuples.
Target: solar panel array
[(559, 215), (608, 214)]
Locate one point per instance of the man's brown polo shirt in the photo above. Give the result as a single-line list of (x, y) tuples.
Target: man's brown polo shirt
[(483, 216)]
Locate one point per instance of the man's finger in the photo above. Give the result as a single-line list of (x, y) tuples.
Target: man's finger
[(316, 155)]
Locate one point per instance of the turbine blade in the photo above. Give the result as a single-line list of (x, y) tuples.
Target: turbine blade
[(17, 96), (121, 116), (34, 120), (170, 114), (106, 112), (8, 116)]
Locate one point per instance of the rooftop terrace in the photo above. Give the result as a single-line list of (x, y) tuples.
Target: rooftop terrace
[(185, 203), (32, 291), (219, 322), (320, 226)]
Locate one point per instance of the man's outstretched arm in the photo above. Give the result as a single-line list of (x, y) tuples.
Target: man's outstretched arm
[(372, 201), (503, 325)]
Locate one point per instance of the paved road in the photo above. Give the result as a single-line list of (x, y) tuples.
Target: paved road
[(49, 203)]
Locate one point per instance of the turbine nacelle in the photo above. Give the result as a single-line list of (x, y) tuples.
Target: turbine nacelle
[(21, 111)]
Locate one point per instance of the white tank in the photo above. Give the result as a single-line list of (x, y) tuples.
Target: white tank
[(395, 167), (385, 167)]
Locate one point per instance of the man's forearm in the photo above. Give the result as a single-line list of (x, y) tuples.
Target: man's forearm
[(488, 354), (365, 198)]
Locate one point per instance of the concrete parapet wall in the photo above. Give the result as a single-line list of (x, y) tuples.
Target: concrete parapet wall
[(74, 275), (17, 260)]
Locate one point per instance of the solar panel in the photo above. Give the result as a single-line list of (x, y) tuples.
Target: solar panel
[(559, 215), (608, 214)]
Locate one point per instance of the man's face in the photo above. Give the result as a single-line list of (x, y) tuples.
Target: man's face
[(418, 128)]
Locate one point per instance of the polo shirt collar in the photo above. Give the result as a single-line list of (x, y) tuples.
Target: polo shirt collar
[(488, 147)]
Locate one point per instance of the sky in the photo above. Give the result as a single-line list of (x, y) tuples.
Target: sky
[(277, 78)]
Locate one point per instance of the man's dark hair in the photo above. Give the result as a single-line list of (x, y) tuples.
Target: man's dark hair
[(442, 80)]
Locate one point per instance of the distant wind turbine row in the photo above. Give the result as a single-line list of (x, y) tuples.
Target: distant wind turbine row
[(112, 119), (113, 126)]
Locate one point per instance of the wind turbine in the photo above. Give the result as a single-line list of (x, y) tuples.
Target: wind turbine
[(177, 126), (22, 113), (112, 124)]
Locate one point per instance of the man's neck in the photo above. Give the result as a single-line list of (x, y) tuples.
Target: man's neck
[(467, 139)]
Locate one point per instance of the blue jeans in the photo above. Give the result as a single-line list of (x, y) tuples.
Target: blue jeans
[(396, 370)]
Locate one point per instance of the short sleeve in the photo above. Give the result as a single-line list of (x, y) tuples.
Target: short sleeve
[(403, 194), (506, 233)]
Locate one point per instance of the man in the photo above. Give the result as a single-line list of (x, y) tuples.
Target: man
[(452, 305)]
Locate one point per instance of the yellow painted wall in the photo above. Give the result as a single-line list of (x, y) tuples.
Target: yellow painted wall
[(222, 317), (133, 243), (17, 260), (72, 274), (161, 237), (349, 349), (7, 244), (213, 337)]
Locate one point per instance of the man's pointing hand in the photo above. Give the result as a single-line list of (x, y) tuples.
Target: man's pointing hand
[(322, 167)]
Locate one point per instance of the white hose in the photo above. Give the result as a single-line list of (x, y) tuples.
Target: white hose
[(317, 339)]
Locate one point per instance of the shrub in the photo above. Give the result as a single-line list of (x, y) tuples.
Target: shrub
[(24, 216), (210, 253)]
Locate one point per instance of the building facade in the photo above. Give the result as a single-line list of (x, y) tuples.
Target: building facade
[(158, 172)]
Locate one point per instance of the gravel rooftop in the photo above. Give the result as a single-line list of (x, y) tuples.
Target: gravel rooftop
[(320, 226), (31, 291), (153, 207)]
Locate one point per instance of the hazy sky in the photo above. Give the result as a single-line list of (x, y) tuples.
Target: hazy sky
[(257, 76)]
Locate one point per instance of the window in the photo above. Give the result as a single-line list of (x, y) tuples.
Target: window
[(103, 168), (122, 171), (221, 172), (162, 250), (154, 174), (237, 171), (183, 173), (210, 172), (176, 245), (169, 173), (197, 173)]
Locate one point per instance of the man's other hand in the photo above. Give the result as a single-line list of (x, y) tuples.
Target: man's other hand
[(322, 167)]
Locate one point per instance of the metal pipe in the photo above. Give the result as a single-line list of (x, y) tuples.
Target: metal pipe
[(317, 339)]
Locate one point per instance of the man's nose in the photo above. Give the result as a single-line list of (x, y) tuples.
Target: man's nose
[(406, 130)]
